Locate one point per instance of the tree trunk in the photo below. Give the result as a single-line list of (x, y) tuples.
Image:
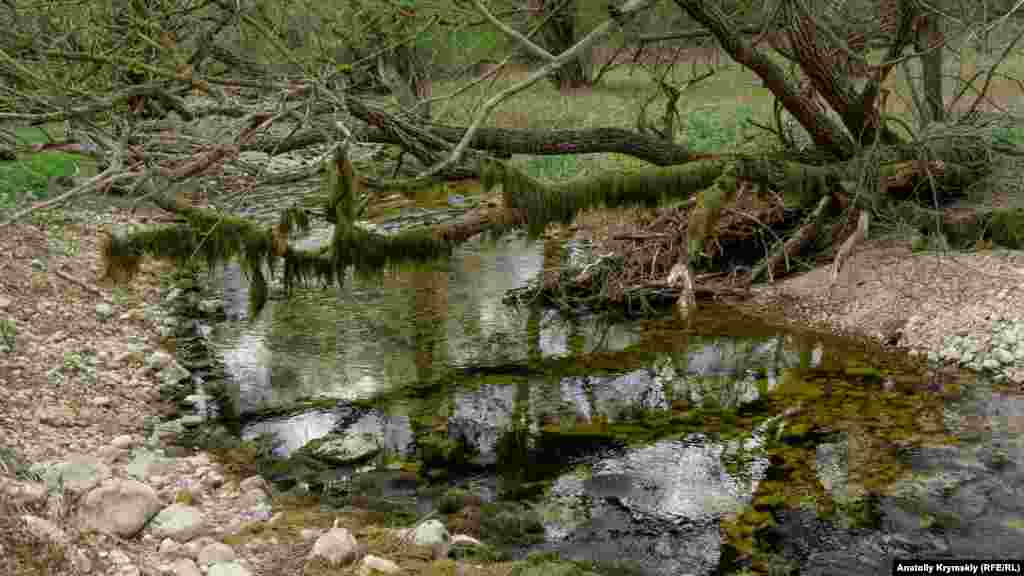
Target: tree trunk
[(929, 40), (423, 139), (828, 135)]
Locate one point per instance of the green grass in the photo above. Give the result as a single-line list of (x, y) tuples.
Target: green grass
[(27, 179)]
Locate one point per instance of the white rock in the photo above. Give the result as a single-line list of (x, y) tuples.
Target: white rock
[(347, 447), (124, 441), (228, 569), (308, 533), (430, 533), (193, 548), (119, 557), (254, 483), (336, 546), (185, 567), (214, 553), (120, 507), (129, 570), (465, 540), (180, 522), (108, 454), (168, 547), (371, 565)]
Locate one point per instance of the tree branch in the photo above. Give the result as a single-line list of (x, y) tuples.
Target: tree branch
[(631, 7)]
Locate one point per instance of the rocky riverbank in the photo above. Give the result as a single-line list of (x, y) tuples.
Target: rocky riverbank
[(94, 479)]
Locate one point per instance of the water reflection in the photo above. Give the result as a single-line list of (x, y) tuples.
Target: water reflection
[(373, 336), (458, 379)]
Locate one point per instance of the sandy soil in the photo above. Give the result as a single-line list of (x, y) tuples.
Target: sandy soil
[(901, 298)]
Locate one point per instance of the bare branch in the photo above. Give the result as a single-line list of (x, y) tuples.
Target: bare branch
[(523, 41)]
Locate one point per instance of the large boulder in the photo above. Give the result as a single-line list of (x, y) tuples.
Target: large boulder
[(371, 565), (336, 547), (344, 447), (120, 507), (433, 534)]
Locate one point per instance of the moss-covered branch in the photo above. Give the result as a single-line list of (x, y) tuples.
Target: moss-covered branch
[(543, 203)]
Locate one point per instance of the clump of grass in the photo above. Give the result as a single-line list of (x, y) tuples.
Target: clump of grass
[(28, 178), (186, 497), (8, 334), (24, 553)]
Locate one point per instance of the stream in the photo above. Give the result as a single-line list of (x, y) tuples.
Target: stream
[(669, 447)]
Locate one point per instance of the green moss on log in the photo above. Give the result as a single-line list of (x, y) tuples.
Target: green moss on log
[(546, 203), (206, 234), (708, 211), (1007, 227)]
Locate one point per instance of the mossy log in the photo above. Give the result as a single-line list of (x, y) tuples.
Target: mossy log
[(543, 203)]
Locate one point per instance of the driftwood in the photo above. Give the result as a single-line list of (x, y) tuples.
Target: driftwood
[(858, 236)]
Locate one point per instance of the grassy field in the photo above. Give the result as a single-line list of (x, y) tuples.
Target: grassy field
[(27, 179)]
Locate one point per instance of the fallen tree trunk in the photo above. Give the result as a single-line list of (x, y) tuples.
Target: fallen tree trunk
[(426, 140), (506, 141)]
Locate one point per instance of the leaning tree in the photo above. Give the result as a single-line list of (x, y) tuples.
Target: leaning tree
[(826, 68)]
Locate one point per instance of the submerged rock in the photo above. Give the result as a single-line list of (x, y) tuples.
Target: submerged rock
[(344, 448)]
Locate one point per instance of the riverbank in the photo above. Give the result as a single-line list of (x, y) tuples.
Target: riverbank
[(93, 481), (85, 361), (962, 308)]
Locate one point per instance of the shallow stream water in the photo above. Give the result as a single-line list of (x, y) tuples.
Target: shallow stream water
[(674, 447)]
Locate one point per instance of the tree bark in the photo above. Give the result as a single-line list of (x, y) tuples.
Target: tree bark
[(929, 41), (497, 141)]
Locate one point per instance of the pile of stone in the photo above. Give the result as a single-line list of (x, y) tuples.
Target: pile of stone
[(163, 516), (1000, 354)]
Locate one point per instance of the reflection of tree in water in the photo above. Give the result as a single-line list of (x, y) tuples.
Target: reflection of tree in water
[(429, 300)]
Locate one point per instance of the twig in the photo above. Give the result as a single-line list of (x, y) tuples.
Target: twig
[(82, 284), (640, 236), (858, 236), (108, 176)]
